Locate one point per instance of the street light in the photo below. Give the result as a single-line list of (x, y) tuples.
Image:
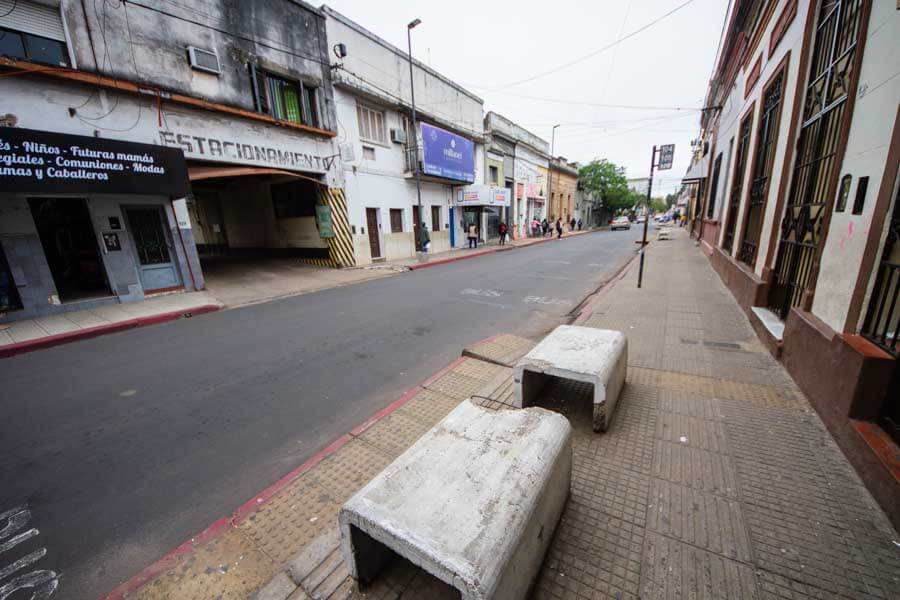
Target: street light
[(550, 184), (412, 93)]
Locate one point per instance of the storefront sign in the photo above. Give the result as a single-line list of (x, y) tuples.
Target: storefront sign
[(234, 150), (323, 218), (447, 155), (50, 163), (482, 195)]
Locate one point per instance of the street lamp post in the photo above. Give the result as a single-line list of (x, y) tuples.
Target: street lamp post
[(550, 184), (415, 133)]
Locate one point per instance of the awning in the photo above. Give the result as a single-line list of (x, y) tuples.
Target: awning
[(697, 171), (200, 173)]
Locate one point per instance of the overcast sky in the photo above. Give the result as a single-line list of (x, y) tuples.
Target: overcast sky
[(488, 45)]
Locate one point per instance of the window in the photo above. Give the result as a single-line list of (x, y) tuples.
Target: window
[(494, 175), (396, 220), (737, 182), (717, 168), (435, 218), (767, 136), (294, 199), (368, 153), (33, 31), (286, 100), (371, 124)]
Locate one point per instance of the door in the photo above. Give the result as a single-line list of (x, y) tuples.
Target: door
[(824, 114), (417, 231), (154, 250), (70, 247), (372, 225)]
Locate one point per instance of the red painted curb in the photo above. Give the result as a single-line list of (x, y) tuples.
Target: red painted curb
[(92, 332), (171, 558)]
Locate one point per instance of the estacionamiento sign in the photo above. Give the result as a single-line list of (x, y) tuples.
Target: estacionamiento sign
[(666, 154), (50, 163)]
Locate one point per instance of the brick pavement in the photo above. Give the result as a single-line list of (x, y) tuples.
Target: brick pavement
[(716, 478)]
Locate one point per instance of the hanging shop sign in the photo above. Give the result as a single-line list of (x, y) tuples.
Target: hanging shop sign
[(323, 219), (666, 154), (447, 155), (482, 195), (49, 163)]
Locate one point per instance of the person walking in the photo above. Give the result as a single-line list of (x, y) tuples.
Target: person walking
[(572, 224), (502, 231), (424, 238), (473, 235), (544, 226), (579, 224), (559, 228)]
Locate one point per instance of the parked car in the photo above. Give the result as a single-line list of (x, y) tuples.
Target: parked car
[(641, 219), (620, 223)]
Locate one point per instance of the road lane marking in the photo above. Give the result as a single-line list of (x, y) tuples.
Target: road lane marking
[(544, 300), (495, 304), (41, 582), (477, 292)]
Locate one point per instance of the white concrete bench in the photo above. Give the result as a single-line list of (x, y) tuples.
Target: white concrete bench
[(595, 356), (474, 502), (664, 233)]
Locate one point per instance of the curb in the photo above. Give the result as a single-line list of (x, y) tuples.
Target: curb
[(220, 526), (99, 330), (587, 309), (444, 261)]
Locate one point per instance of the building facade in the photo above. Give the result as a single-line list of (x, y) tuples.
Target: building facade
[(247, 109), (562, 188), (377, 142), (799, 211)]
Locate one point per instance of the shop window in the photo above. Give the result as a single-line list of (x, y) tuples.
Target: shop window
[(396, 220), (371, 124), (435, 218), (285, 100), (294, 199), (9, 294)]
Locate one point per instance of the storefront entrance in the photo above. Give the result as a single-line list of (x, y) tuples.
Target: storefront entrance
[(9, 295), (154, 249), (70, 246)]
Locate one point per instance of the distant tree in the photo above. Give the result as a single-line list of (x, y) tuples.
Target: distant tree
[(607, 182), (659, 205), (671, 199)]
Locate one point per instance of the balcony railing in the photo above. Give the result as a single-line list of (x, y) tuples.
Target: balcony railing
[(409, 152)]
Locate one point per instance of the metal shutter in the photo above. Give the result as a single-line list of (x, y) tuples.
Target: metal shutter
[(34, 18)]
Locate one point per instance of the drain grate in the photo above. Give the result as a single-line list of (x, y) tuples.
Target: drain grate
[(725, 345)]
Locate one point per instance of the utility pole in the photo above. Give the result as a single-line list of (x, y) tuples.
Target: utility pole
[(550, 171), (644, 239), (415, 133)]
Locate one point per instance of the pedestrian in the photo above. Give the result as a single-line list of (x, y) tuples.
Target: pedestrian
[(535, 227), (572, 224), (558, 228), (473, 235), (425, 238), (579, 224), (544, 226), (502, 230)]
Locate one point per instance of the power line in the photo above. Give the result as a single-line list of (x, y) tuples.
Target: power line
[(609, 46), (583, 103)]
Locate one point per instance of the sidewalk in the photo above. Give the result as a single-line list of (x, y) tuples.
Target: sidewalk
[(715, 480), (17, 337)]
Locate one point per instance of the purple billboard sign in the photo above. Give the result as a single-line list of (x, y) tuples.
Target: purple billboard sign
[(447, 155)]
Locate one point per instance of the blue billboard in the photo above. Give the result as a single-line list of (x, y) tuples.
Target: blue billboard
[(447, 155)]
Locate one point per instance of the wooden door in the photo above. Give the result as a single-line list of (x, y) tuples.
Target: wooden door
[(372, 224)]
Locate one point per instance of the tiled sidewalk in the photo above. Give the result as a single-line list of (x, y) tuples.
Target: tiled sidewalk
[(715, 480)]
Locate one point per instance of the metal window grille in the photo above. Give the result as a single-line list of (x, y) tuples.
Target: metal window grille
[(717, 167), (883, 316), (824, 112), (737, 183), (759, 186)]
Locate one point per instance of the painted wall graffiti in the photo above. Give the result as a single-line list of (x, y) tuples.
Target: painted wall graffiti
[(13, 531)]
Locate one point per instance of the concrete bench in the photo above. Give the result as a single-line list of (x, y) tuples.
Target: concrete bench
[(595, 356), (664, 233), (474, 502)]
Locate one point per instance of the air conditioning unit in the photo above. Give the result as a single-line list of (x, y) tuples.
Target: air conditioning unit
[(204, 60), (398, 136)]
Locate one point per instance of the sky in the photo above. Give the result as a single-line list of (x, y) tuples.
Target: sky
[(512, 53)]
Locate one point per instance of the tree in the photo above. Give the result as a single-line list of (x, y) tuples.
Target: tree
[(659, 205), (606, 180)]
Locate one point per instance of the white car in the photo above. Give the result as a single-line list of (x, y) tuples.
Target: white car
[(620, 223)]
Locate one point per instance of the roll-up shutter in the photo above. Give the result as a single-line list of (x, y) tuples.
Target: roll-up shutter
[(32, 17)]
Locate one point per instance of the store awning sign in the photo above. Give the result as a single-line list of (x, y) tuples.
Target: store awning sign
[(52, 163), (447, 155), (482, 195)]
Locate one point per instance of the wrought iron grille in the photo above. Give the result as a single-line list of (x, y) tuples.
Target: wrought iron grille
[(762, 170), (824, 112), (711, 207), (737, 183), (883, 317)]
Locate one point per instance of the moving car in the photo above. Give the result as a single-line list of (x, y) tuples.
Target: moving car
[(620, 223)]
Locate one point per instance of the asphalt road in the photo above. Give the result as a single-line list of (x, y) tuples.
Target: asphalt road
[(124, 446)]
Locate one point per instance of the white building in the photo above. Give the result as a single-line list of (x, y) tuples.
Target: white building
[(373, 106)]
